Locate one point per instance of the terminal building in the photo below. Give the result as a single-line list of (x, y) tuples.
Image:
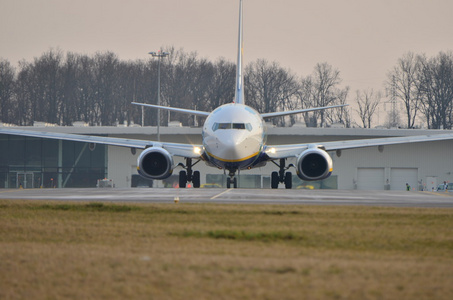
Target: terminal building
[(34, 162)]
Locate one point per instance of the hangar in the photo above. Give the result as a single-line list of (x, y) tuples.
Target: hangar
[(33, 162)]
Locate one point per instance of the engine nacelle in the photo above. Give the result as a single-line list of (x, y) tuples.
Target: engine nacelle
[(155, 163), (314, 164)]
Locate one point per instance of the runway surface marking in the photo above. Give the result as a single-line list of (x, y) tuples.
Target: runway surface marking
[(443, 194), (11, 191), (218, 195)]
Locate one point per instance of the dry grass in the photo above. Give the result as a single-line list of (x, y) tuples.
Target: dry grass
[(54, 250)]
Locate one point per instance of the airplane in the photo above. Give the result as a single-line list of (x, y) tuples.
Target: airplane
[(233, 139)]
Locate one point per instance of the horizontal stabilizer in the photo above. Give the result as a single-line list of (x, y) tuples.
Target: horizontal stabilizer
[(298, 111), (180, 110)]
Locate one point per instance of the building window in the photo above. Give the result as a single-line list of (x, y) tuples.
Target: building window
[(34, 162)]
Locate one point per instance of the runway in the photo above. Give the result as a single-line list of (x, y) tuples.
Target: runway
[(238, 196)]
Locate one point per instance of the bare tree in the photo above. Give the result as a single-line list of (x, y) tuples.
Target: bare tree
[(326, 80), (48, 83), (221, 87), (7, 82), (306, 100), (270, 87), (24, 88), (368, 102), (86, 90), (69, 90), (319, 89), (107, 82), (436, 88), (402, 85), (342, 114), (180, 74)]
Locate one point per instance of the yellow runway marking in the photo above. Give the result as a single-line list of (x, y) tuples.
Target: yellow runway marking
[(11, 191), (218, 195), (444, 194)]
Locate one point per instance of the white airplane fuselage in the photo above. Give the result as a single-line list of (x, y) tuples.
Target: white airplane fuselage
[(233, 137)]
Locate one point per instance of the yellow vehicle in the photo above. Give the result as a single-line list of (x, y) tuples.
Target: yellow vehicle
[(211, 185), (305, 187)]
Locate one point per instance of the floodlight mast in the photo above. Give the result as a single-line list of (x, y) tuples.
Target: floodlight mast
[(159, 54)]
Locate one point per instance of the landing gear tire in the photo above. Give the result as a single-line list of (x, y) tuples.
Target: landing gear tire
[(182, 179), (233, 181), (288, 180), (274, 180), (196, 179)]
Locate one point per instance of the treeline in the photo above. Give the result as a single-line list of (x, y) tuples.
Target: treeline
[(62, 88)]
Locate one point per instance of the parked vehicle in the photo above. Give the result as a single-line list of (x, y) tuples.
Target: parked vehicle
[(445, 188), (211, 185)]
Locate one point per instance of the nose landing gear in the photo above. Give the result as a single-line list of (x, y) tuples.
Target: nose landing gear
[(232, 180)]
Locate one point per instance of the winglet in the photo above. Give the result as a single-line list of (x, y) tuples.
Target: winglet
[(239, 94)]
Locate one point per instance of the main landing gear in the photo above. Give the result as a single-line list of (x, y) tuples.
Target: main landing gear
[(281, 176), (188, 175)]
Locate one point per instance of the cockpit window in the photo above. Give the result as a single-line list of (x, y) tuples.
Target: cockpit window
[(221, 126), (224, 125), (240, 126)]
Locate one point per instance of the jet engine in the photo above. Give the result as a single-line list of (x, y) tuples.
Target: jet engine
[(314, 164), (155, 163)]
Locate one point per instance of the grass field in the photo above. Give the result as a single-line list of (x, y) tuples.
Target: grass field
[(61, 250)]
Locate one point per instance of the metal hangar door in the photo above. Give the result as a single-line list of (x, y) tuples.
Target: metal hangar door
[(370, 178)]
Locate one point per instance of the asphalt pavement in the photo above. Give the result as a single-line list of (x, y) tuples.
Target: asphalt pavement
[(237, 196)]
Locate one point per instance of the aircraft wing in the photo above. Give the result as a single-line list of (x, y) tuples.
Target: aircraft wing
[(180, 110), (339, 145), (298, 111), (293, 150), (183, 150)]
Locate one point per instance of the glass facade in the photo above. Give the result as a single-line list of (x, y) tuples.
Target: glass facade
[(34, 162)]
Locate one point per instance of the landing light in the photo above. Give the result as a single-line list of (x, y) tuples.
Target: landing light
[(272, 150), (197, 150)]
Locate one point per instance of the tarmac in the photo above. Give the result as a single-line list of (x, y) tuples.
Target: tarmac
[(237, 196)]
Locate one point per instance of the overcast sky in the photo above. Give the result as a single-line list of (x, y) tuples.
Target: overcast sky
[(361, 38)]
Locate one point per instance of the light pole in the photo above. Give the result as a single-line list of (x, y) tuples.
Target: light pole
[(159, 54)]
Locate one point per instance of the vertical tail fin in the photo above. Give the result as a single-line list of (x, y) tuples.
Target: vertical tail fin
[(239, 94)]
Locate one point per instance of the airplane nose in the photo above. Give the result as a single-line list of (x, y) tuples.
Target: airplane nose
[(232, 141), (232, 147)]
